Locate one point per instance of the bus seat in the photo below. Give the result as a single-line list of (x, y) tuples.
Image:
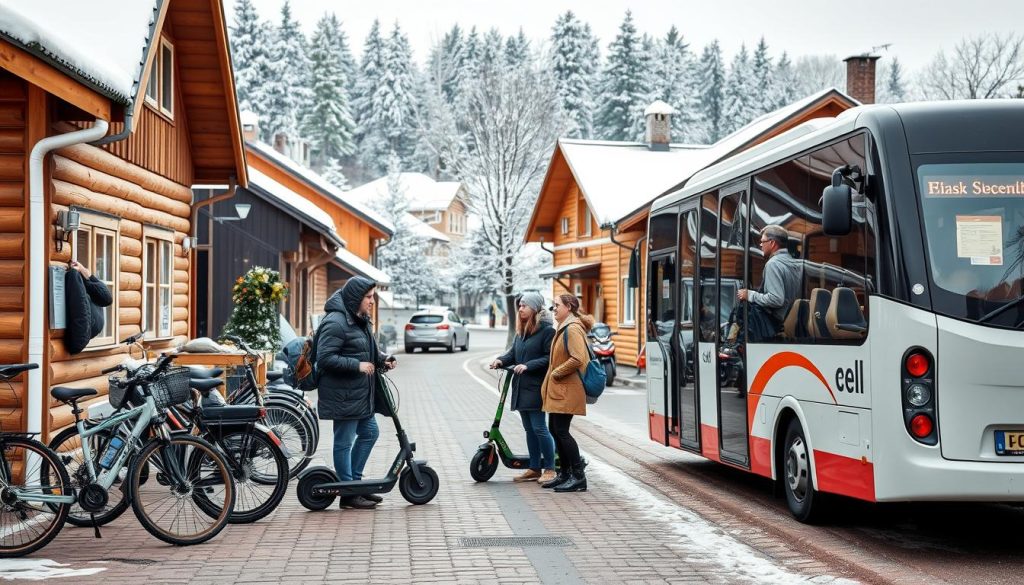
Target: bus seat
[(844, 317), (795, 325), (817, 310)]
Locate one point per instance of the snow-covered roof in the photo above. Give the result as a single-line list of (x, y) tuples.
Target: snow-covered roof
[(355, 264), (101, 42), (324, 186), (420, 228), (616, 177), (422, 192), (295, 203)]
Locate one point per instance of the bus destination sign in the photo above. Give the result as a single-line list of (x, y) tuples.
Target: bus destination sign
[(973, 186)]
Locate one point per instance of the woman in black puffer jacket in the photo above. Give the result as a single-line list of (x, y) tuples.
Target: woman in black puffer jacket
[(530, 353), (346, 359)]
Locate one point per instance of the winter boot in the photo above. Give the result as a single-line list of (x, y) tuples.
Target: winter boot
[(577, 483), (564, 475)]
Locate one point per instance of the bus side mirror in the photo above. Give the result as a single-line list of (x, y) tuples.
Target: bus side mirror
[(837, 207), (633, 281)]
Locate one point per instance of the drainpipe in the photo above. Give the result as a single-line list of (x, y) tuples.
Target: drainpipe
[(38, 219), (556, 279), (612, 230), (310, 264), (232, 187)]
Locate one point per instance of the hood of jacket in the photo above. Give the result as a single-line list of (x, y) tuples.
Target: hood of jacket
[(585, 320), (349, 297)]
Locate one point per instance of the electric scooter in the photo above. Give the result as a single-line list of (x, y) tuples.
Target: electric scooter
[(485, 461), (418, 483)]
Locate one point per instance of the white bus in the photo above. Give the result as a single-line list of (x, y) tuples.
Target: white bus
[(898, 372)]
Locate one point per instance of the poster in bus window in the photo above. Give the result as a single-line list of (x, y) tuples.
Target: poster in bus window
[(980, 238)]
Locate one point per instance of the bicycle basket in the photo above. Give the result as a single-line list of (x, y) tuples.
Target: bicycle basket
[(117, 391), (172, 388)]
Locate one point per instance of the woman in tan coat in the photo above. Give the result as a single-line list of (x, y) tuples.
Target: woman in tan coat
[(562, 392)]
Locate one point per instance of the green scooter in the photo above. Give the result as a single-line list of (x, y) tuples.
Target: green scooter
[(485, 461)]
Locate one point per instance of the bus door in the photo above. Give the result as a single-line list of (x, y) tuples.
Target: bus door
[(685, 405), (731, 340), (662, 307)]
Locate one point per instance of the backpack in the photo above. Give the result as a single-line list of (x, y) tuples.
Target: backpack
[(305, 373), (593, 377)]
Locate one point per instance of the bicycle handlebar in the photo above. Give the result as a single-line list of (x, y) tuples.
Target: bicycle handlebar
[(133, 338), (240, 343)]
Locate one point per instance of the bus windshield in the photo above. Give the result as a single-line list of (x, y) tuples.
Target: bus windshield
[(974, 224)]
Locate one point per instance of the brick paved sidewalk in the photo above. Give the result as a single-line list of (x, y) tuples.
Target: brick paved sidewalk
[(620, 531)]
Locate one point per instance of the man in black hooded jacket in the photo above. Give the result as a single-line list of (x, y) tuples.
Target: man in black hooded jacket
[(346, 358)]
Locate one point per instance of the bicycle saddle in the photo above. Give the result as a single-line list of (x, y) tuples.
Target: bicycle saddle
[(196, 372), (65, 394), (12, 370), (274, 376)]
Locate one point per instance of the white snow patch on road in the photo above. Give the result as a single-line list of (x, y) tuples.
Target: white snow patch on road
[(699, 539), (40, 570)]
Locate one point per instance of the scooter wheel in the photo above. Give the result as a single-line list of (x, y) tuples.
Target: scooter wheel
[(484, 464), (415, 493), (310, 480)]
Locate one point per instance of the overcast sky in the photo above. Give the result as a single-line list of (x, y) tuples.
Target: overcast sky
[(916, 29)]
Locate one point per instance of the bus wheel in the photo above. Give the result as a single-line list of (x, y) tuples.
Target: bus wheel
[(803, 500)]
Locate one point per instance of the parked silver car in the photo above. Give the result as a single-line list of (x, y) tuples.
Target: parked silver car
[(436, 329)]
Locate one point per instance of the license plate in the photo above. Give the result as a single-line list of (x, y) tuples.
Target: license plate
[(1009, 442)]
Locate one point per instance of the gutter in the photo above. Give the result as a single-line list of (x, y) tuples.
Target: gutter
[(556, 279), (233, 186), (38, 218)]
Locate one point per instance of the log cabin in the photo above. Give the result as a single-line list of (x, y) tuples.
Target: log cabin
[(593, 206), (113, 116), (315, 268)]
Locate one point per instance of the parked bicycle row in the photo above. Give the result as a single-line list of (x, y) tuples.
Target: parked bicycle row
[(186, 458)]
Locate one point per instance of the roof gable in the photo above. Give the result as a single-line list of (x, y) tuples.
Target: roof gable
[(423, 192)]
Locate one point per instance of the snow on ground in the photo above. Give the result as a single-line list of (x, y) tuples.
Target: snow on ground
[(40, 570)]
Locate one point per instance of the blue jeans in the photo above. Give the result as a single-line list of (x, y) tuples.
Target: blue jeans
[(353, 441), (538, 440)]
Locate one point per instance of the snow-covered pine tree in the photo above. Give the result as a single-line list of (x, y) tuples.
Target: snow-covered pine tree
[(348, 62), (574, 62), (396, 97), (763, 77), (621, 87), (373, 145), (645, 62), (334, 174), (328, 125), (517, 49), (672, 76), (471, 51), (250, 37), (289, 83), (817, 72), (739, 104), (404, 257), (492, 52), (891, 88), (785, 89), (711, 81), (445, 64)]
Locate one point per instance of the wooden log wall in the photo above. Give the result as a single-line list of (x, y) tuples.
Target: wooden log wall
[(92, 178), (13, 244)]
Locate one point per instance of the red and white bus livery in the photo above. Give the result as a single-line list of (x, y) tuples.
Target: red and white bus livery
[(898, 371)]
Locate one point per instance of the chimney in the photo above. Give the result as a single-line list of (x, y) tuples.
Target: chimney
[(250, 126), (860, 77), (659, 125)]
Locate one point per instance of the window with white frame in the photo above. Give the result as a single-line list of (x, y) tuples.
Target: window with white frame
[(565, 226), (160, 86), (96, 246), (157, 282), (583, 229), (628, 316)]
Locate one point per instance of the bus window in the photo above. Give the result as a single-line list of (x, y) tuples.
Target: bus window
[(708, 308), (837, 272)]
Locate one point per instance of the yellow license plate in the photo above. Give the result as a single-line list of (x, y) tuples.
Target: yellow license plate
[(1009, 442)]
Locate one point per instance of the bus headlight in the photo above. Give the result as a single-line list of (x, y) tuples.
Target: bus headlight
[(918, 394)]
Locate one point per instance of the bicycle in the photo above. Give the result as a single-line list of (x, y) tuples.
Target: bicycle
[(30, 476), (189, 471)]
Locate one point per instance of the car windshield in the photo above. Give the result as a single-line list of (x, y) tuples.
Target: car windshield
[(974, 224), (426, 319)]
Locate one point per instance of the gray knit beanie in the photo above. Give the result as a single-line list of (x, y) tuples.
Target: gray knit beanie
[(533, 300)]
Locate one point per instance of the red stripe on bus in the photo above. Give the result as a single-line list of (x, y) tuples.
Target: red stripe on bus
[(709, 442), (761, 456), (845, 476), (771, 367)]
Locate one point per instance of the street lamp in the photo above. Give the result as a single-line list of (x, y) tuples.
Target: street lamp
[(242, 209)]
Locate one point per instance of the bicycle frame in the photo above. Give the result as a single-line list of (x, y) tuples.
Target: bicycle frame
[(142, 415)]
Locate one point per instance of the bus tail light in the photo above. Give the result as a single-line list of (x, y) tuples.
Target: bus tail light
[(921, 426), (919, 395)]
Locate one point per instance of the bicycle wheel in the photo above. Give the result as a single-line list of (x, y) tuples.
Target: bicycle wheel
[(289, 426), (68, 447), (166, 506), (31, 469), (260, 470), (307, 412)]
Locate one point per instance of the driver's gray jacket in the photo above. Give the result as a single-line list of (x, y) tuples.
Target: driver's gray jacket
[(783, 276)]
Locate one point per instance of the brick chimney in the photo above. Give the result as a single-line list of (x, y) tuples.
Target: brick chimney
[(659, 125), (860, 77), (250, 125)]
